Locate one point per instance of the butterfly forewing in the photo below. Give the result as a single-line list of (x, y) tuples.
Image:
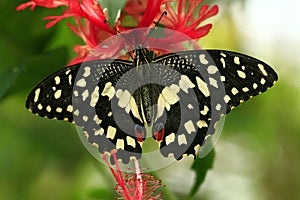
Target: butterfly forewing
[(221, 81), (82, 94)]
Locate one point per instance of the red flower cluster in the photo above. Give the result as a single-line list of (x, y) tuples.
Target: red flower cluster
[(92, 28)]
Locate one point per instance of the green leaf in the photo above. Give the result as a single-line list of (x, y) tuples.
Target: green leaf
[(24, 77), (114, 9), (201, 167), (7, 78), (101, 193)]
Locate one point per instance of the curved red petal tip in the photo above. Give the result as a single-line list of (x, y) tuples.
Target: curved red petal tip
[(23, 6)]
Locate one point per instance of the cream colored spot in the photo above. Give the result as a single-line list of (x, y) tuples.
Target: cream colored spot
[(202, 87), (97, 120), (57, 94), (234, 91), (99, 132), (241, 74), (81, 83), (170, 138), (223, 62), (85, 95), (57, 80), (227, 99), (189, 127), (185, 83), (170, 96), (85, 118), (262, 69), (68, 71), (70, 79), (36, 95), (48, 108), (245, 89), (213, 82), (130, 141), (202, 123), (203, 59), (212, 69), (255, 86), (223, 78), (58, 109), (76, 113), (218, 107), (182, 139), (87, 71), (94, 97), (120, 144), (40, 106), (262, 81), (108, 90), (124, 99), (111, 132), (205, 110), (70, 108), (237, 60)]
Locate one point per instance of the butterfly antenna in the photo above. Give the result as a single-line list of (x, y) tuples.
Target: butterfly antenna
[(156, 24), (121, 34)]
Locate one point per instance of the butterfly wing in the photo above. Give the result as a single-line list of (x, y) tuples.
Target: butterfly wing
[(83, 94), (218, 81)]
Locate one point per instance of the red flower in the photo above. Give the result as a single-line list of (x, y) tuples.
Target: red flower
[(132, 186), (183, 20), (93, 29)]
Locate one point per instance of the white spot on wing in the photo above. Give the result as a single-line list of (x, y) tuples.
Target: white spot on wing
[(202, 86), (81, 83), (182, 139), (99, 132), (237, 60), (36, 95), (94, 97), (202, 123), (241, 74), (120, 144), (97, 120), (87, 71), (57, 94), (70, 108), (203, 60), (212, 69), (108, 90), (48, 108), (185, 83), (262, 69), (227, 99), (130, 141), (234, 91), (111, 132), (57, 80), (85, 95), (124, 99), (205, 110), (170, 96), (213, 82), (189, 127), (170, 138)]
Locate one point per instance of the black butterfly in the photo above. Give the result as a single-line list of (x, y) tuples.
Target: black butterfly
[(180, 95)]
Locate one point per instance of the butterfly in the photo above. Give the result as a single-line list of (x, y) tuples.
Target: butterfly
[(181, 96)]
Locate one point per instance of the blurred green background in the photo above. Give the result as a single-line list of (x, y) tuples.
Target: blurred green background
[(257, 156)]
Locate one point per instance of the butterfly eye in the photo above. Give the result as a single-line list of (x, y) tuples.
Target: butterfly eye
[(158, 132), (140, 133)]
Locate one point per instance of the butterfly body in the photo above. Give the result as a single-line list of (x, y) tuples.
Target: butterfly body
[(180, 95)]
